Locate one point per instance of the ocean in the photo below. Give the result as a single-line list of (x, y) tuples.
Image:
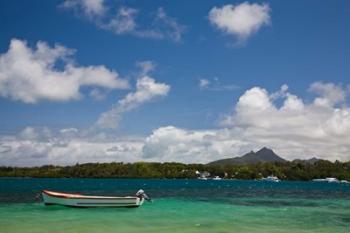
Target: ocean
[(179, 206)]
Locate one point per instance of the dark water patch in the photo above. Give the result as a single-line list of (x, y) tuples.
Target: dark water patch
[(342, 219), (277, 203), (266, 202), (345, 219)]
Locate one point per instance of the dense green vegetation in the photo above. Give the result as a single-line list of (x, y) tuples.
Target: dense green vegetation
[(285, 170)]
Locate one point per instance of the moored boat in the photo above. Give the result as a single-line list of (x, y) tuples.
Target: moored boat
[(271, 179), (78, 200), (328, 179)]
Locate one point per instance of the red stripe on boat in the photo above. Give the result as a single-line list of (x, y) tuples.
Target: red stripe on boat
[(70, 195)]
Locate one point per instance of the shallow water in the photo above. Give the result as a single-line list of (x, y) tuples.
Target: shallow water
[(180, 206)]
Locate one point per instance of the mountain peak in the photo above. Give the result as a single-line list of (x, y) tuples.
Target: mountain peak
[(264, 150), (267, 155), (263, 155)]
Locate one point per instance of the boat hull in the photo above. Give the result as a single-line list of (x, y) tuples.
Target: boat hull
[(76, 200)]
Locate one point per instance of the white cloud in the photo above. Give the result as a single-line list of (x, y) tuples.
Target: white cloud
[(181, 145), (125, 20), (241, 20), (147, 89), (69, 131), (97, 94), (168, 26), (162, 26), (215, 85), (15, 151), (31, 75), (70, 146), (203, 83), (330, 93), (90, 8), (294, 129), (146, 66), (283, 92), (29, 133)]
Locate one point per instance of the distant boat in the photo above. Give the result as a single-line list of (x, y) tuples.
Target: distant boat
[(328, 179), (217, 178), (78, 200), (203, 175), (271, 179)]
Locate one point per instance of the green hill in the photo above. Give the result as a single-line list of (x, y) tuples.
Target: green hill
[(261, 156)]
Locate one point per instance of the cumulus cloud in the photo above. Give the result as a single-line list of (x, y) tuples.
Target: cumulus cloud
[(293, 127), (58, 149), (69, 131), (240, 20), (31, 133), (90, 8), (70, 146), (174, 144), (125, 20), (4, 149), (330, 93), (28, 133), (147, 89), (31, 75)]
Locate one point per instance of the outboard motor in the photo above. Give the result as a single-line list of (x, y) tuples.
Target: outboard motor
[(142, 195)]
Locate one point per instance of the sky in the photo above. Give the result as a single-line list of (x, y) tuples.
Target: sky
[(111, 80)]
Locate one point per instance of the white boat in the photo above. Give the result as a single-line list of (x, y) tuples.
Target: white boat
[(271, 179), (78, 200), (328, 179), (203, 175), (217, 178)]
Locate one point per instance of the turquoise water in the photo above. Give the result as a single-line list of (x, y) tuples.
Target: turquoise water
[(180, 206)]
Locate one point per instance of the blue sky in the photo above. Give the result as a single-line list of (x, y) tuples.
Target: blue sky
[(297, 43)]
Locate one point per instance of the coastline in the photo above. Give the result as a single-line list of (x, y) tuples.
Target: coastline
[(290, 171)]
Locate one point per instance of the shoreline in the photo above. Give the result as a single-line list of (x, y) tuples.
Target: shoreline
[(177, 179)]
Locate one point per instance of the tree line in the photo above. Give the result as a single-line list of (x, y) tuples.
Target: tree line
[(286, 170)]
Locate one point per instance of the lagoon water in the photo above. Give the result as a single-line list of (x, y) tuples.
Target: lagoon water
[(179, 206)]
